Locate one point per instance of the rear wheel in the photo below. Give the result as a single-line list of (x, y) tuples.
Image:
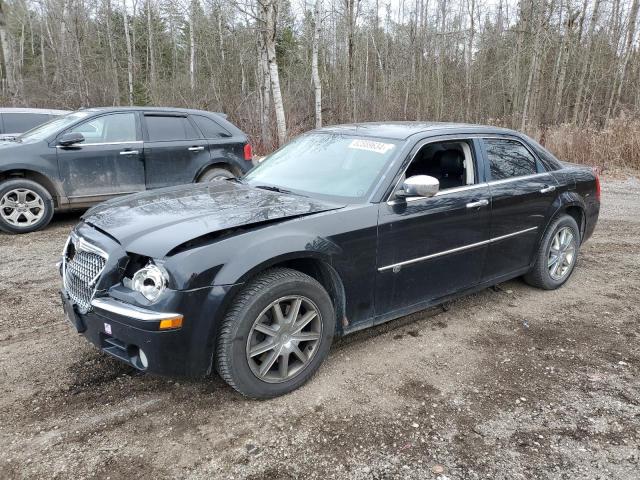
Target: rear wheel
[(25, 206), (216, 175), (276, 334), (557, 254)]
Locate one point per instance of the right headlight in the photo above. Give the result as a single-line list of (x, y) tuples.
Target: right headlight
[(150, 281)]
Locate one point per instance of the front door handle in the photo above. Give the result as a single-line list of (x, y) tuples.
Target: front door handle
[(196, 149), (480, 203), (129, 152), (547, 189)]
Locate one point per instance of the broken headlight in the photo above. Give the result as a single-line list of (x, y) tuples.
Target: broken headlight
[(150, 281)]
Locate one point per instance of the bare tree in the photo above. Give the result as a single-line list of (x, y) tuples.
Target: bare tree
[(315, 74), (125, 17)]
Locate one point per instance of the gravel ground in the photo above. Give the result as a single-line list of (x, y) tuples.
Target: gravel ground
[(508, 383)]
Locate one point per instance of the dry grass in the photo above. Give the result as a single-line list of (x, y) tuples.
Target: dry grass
[(617, 146)]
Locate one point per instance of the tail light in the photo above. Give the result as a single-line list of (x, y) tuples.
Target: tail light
[(596, 172), (248, 153)]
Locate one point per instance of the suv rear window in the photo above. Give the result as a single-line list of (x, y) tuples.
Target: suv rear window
[(509, 158), (21, 122), (209, 128), (167, 128)]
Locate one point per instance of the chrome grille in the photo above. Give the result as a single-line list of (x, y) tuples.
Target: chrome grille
[(82, 265)]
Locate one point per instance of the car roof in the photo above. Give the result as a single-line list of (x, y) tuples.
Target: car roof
[(403, 130), (49, 111), (153, 109)]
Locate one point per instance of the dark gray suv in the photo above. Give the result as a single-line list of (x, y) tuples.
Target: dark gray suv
[(89, 156)]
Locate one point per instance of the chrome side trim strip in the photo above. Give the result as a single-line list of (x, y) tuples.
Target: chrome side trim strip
[(455, 250), (127, 310), (104, 194), (516, 179)]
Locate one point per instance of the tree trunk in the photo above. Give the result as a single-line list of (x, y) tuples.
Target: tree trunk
[(628, 51), (315, 74), (270, 42), (112, 58), (192, 47), (351, 15), (152, 53), (265, 91), (6, 75), (585, 64), (129, 52), (471, 6)]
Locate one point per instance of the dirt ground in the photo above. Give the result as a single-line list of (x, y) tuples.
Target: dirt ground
[(508, 383)]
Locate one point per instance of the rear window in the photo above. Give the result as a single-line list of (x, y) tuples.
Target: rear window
[(21, 122), (169, 128), (209, 128)]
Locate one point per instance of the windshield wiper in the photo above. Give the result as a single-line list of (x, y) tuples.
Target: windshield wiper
[(273, 188)]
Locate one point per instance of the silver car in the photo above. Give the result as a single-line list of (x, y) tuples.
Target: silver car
[(14, 121)]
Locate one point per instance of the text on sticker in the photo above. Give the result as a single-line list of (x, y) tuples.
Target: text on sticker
[(371, 146)]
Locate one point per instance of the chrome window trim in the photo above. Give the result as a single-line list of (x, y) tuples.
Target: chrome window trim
[(127, 310), (100, 143), (515, 179), (440, 193), (455, 250), (469, 187)]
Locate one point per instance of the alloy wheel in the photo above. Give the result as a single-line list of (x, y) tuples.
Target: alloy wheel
[(284, 339), (562, 253), (21, 207)]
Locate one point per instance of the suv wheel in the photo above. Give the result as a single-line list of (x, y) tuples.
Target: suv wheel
[(557, 254), (25, 206), (215, 175), (276, 334)]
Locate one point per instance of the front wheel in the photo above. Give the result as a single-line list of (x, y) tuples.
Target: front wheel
[(276, 334), (25, 206), (557, 254)]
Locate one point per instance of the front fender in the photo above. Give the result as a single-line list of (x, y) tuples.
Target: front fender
[(233, 260)]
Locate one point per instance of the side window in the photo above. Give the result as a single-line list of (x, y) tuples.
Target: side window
[(21, 122), (168, 128), (115, 127), (209, 128), (509, 158), (450, 162)]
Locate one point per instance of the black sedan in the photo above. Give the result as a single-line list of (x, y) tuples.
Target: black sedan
[(343, 228), (92, 155)]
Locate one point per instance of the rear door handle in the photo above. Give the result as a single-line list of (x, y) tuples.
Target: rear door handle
[(480, 203), (129, 152), (547, 189), (196, 149)]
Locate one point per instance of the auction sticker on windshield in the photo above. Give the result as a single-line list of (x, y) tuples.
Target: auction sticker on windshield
[(371, 146)]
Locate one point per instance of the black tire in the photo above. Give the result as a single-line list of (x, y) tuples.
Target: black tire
[(215, 174), (232, 362), (35, 191), (540, 275)]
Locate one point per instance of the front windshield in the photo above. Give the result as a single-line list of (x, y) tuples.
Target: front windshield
[(53, 126), (326, 164)]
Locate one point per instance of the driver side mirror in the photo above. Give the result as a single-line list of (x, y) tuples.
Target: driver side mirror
[(70, 138), (419, 186)]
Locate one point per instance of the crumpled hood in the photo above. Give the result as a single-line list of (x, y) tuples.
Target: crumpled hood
[(154, 222)]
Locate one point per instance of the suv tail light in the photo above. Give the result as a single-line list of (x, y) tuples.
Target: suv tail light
[(248, 153), (596, 171)]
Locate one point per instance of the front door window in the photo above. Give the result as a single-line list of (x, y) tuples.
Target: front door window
[(116, 127)]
